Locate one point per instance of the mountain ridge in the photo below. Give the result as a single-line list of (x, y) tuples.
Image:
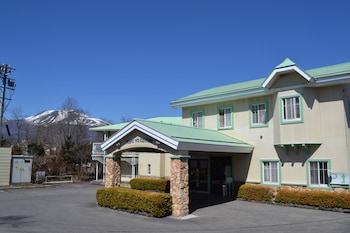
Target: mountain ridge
[(56, 116)]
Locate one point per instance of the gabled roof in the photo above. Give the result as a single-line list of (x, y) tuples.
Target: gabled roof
[(315, 77), (287, 66), (286, 63), (116, 127), (182, 138)]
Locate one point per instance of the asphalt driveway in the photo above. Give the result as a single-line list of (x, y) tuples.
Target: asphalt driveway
[(72, 208)]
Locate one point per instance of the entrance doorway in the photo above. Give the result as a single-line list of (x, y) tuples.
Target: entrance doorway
[(221, 169), (198, 175), (208, 175)]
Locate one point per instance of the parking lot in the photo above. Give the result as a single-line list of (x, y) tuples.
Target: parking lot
[(72, 208)]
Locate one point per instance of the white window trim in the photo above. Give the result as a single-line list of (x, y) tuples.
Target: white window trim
[(295, 119), (226, 115), (201, 119), (252, 124), (318, 185), (263, 172)]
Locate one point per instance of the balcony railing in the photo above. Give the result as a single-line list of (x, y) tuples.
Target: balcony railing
[(96, 148)]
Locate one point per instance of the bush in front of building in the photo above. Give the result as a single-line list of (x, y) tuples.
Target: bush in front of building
[(255, 192), (157, 185), (135, 201), (316, 198)]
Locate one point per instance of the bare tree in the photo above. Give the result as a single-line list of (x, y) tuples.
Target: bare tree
[(124, 119), (73, 124), (74, 134), (66, 141), (17, 115), (71, 103)]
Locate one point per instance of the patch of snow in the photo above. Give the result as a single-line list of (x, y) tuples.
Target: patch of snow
[(55, 116)]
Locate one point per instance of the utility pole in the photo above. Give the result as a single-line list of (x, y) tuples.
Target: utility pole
[(6, 83)]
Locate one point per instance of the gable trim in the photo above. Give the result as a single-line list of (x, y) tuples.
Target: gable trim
[(276, 72), (134, 125)]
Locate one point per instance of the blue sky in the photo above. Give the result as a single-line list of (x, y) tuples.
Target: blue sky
[(127, 59)]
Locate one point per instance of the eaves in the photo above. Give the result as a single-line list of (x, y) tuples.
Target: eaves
[(211, 99)]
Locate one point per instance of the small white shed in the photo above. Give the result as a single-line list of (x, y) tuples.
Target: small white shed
[(21, 169)]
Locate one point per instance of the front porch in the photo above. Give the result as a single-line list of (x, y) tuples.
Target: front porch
[(129, 164), (186, 147)]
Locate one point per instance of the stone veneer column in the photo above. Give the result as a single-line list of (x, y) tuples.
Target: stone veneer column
[(113, 172), (179, 185)]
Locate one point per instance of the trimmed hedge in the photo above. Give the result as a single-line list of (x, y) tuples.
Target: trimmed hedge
[(255, 192), (317, 198), (157, 204), (159, 185)]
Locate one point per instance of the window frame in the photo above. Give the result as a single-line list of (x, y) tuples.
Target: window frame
[(319, 185), (258, 125), (225, 117), (262, 170), (192, 118), (300, 119)]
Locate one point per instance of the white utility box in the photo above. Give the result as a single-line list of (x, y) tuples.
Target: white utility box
[(21, 169)]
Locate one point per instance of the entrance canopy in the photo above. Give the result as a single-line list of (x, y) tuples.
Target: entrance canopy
[(172, 138)]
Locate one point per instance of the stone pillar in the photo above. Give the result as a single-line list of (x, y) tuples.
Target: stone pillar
[(113, 172), (179, 185)]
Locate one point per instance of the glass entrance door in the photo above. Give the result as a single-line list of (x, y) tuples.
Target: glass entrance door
[(199, 175), (221, 169)]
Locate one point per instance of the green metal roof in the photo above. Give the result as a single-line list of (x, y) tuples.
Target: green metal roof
[(216, 91), (245, 88), (182, 133), (287, 62), (169, 120), (113, 127), (116, 127), (179, 137), (327, 71)]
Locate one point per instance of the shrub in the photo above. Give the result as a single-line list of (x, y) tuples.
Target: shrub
[(235, 189), (317, 198), (157, 204), (255, 192), (160, 185)]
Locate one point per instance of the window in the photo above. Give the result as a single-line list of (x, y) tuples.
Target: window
[(270, 172), (197, 119), (318, 172), (258, 114), (291, 109), (225, 117)]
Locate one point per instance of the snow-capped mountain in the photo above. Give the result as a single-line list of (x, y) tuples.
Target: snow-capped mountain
[(55, 116)]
